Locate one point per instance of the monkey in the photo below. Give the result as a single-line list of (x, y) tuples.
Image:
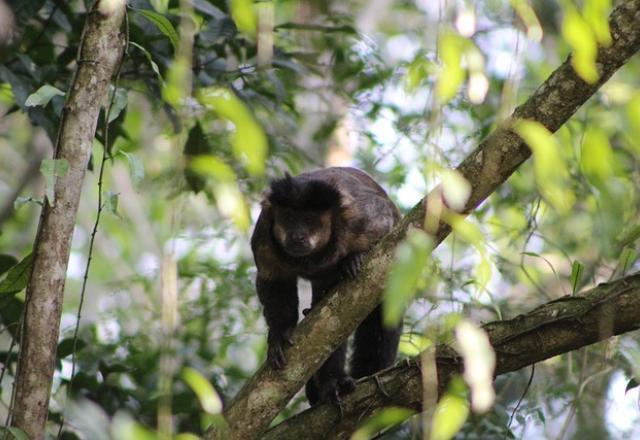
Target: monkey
[(318, 226)]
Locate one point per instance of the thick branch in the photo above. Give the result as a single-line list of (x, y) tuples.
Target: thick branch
[(100, 52), (495, 159), (557, 327)]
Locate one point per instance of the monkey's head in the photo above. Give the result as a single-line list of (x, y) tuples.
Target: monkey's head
[(302, 213)]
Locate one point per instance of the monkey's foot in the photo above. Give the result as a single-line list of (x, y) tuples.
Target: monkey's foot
[(335, 388), (351, 265), (277, 341)]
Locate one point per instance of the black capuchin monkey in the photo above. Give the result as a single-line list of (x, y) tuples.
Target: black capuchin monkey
[(318, 226)]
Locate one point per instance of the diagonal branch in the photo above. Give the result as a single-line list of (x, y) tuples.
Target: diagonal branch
[(556, 327), (495, 159)]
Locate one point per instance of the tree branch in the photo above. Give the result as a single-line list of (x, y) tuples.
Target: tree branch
[(100, 52), (495, 159), (556, 327)]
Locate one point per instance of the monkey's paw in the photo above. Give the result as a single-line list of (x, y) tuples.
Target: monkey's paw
[(277, 341), (351, 265), (335, 388)]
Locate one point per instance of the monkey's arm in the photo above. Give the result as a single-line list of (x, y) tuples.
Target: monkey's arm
[(279, 298)]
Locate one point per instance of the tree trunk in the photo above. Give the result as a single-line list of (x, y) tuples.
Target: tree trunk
[(100, 52), (495, 159)]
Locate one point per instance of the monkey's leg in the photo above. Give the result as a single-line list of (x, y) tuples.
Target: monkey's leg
[(280, 301), (375, 347), (331, 381)]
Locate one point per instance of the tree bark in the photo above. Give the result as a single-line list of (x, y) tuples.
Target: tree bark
[(556, 327), (100, 52), (493, 161)]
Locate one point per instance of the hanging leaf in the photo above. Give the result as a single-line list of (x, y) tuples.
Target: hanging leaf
[(164, 25), (17, 277), (51, 169), (42, 96), (207, 396)]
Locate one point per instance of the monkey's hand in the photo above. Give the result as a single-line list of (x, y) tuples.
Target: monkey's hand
[(351, 265), (276, 342), (333, 388)]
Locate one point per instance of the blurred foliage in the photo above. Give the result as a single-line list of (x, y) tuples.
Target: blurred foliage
[(198, 124)]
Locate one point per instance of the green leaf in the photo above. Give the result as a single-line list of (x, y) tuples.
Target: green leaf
[(224, 186), (577, 269), (381, 420), (136, 168), (633, 116), (578, 34), (65, 347), (111, 202), (120, 101), (17, 433), (597, 156), (52, 169), (42, 96), (406, 273), (147, 55), (451, 412), (412, 344), (244, 16), (249, 141), (209, 399), (163, 24), (17, 277), (596, 14), (552, 175), (7, 262), (452, 75)]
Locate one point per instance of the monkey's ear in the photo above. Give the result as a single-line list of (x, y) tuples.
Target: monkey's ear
[(266, 203), (346, 199)]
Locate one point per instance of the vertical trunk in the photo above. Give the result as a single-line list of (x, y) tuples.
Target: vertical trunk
[(99, 54)]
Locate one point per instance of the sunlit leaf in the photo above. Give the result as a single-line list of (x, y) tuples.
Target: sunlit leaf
[(597, 156), (163, 24), (207, 396), (451, 412), (412, 344), (244, 16), (406, 272), (173, 90), (417, 72), (52, 169), (549, 166), (628, 257), (224, 186), (529, 18), (455, 189), (42, 96), (479, 364), (596, 13), (249, 141), (385, 418), (452, 75), (578, 34), (125, 428)]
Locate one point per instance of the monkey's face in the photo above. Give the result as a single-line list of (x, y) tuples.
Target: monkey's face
[(301, 233)]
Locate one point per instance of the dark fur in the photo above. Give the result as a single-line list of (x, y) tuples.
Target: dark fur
[(350, 212)]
